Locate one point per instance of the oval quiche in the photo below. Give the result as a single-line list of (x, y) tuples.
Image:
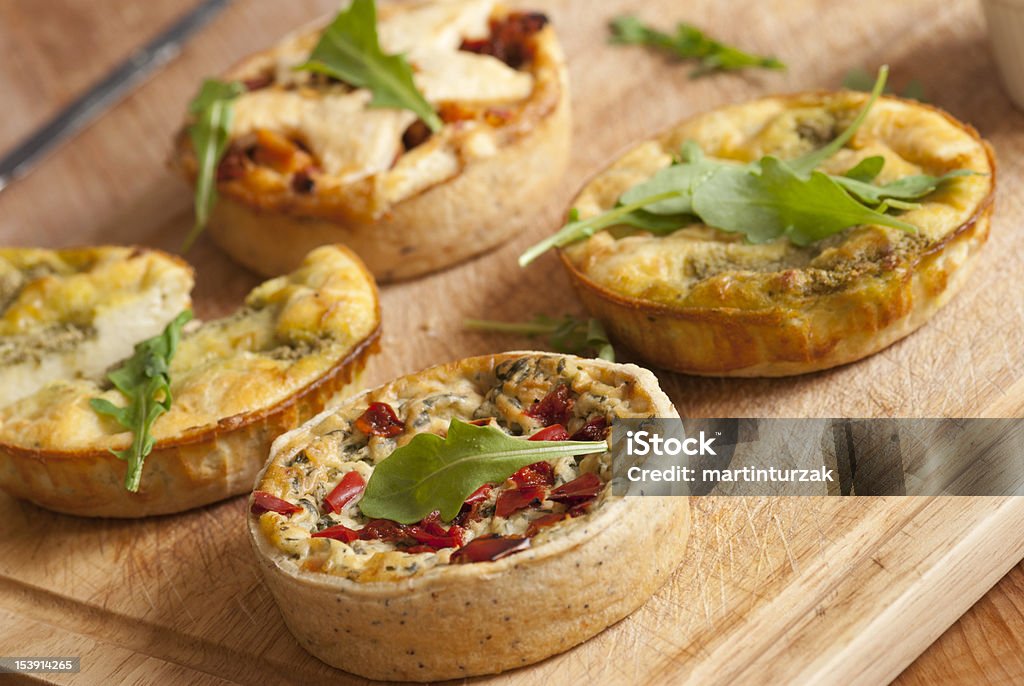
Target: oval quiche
[(704, 301), (74, 312), (236, 384), (309, 161), (529, 566)]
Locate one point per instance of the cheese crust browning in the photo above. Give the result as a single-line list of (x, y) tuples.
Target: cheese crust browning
[(237, 383), (386, 611), (703, 301), (311, 161)]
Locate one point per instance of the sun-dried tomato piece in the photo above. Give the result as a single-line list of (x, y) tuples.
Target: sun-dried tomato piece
[(555, 408), (265, 502), (595, 429), (338, 532), (351, 485), (302, 181), (581, 508), (511, 38), (479, 495), (380, 419), (233, 165), (489, 548), (414, 136), (258, 82), (536, 474), (555, 432), (545, 521), (384, 530), (578, 490), (512, 501)]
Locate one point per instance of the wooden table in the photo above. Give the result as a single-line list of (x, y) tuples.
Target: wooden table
[(110, 184)]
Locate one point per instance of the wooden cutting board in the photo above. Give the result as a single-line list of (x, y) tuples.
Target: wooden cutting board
[(773, 590)]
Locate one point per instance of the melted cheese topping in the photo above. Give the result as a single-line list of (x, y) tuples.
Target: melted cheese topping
[(318, 456), (293, 330), (73, 313), (698, 266)]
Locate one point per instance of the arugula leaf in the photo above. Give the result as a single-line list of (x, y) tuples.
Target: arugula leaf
[(805, 163), (349, 50), (867, 169), (689, 42), (903, 191), (576, 229), (210, 134), (433, 473), (775, 201), (565, 335), (144, 379), (858, 79)]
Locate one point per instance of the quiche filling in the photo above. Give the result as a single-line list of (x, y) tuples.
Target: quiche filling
[(296, 134), (308, 502), (292, 331), (699, 266), (67, 314)]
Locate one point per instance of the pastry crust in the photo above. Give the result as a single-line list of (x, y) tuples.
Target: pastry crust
[(458, 193), (237, 384), (578, 576), (702, 301)]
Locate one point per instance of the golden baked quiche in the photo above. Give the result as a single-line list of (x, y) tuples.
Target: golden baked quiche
[(461, 521), (74, 312), (235, 383), (313, 158), (781, 236)]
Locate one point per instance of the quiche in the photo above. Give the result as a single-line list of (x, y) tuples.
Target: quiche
[(703, 301), (310, 162), (236, 383), (529, 567), (74, 312)]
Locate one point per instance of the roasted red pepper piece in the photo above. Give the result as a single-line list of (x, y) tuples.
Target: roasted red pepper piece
[(350, 486), (489, 548), (536, 474), (512, 501), (555, 432), (470, 511), (479, 495), (452, 538), (265, 502), (555, 408), (339, 532), (545, 521), (578, 490), (594, 430), (419, 549), (380, 419)]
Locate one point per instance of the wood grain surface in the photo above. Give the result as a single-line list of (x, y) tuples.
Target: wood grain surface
[(772, 590)]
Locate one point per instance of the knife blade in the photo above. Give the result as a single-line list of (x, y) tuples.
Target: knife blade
[(106, 92)]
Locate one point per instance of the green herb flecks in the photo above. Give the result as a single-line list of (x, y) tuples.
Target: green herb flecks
[(349, 50), (210, 132), (689, 42), (433, 473), (144, 380), (567, 334)]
